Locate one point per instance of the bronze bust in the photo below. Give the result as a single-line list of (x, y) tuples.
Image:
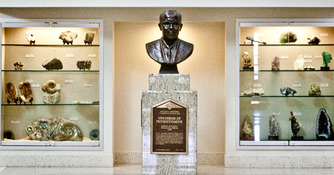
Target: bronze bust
[(169, 50)]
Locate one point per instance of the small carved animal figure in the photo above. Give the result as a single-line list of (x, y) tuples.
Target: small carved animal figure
[(89, 37), (84, 65), (56, 129), (11, 93), (25, 92), (68, 37), (31, 38)]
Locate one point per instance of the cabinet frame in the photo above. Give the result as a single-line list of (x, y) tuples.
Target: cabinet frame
[(59, 145), (280, 144)]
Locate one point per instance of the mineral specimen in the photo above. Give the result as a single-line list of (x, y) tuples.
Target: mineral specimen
[(288, 37), (68, 37), (313, 41), (25, 92), (252, 40), (94, 134), (286, 91), (326, 58), (253, 91), (273, 126), (275, 64), (18, 66), (84, 64), (299, 63), (89, 37), (54, 64), (31, 37), (247, 126), (56, 129), (324, 130), (11, 93), (295, 125), (51, 92), (314, 90)]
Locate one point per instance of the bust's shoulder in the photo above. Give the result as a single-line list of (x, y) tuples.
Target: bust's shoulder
[(153, 44), (185, 44)]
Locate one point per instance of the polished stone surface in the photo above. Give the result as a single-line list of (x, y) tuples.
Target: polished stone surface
[(163, 87), (135, 169)]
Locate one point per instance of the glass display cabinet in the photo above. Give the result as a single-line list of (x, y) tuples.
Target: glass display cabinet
[(51, 84), (286, 87)]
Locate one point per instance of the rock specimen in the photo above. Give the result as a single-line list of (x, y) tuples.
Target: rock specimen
[(51, 92), (18, 66), (247, 128), (295, 125), (89, 37), (299, 63), (286, 91), (68, 37), (253, 92), (314, 90), (313, 41), (54, 64), (31, 37), (273, 128), (25, 92), (246, 61), (326, 58), (324, 130), (11, 93), (275, 64), (288, 37), (84, 64), (56, 129), (94, 134)]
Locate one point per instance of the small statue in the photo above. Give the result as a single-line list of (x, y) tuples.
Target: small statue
[(295, 127), (84, 64), (56, 129), (275, 63), (286, 91), (248, 131), (89, 37), (18, 66), (314, 91), (169, 50), (273, 128), (247, 61), (68, 37), (31, 37), (288, 37), (326, 58), (51, 92), (313, 41), (54, 64), (11, 93), (299, 63), (324, 130), (25, 92)]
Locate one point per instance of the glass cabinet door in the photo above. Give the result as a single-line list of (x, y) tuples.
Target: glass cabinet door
[(286, 84), (51, 84)]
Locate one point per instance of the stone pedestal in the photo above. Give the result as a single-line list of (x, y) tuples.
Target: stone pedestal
[(164, 87)]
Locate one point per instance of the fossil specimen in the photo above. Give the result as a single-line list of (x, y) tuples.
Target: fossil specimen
[(11, 93), (54, 64), (68, 37), (51, 92), (89, 37), (25, 92), (56, 129)]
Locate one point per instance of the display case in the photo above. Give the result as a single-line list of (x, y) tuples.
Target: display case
[(286, 92), (51, 84)]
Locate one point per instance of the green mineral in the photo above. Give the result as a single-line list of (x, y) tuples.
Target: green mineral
[(326, 57)]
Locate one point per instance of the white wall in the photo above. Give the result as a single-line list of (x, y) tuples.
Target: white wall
[(226, 15)]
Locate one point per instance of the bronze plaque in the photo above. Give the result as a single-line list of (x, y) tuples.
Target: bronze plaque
[(169, 128)]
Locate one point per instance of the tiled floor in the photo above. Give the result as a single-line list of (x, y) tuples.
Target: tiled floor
[(136, 169)]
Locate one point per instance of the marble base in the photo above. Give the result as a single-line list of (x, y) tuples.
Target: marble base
[(163, 87)]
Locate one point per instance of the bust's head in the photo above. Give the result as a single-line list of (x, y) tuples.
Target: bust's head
[(170, 24)]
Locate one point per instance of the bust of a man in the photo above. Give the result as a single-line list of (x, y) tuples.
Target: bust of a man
[(169, 50)]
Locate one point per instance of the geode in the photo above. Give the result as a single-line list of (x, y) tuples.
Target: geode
[(54, 64), (55, 129), (68, 37), (25, 92), (324, 125)]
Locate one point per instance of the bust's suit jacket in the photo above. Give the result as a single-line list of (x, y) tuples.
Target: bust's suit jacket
[(184, 50)]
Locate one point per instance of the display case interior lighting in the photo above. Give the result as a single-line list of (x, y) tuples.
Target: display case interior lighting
[(256, 129)]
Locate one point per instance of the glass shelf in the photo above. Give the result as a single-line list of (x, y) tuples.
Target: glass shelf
[(280, 96), (286, 45), (286, 70), (50, 45), (50, 71), (50, 104)]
